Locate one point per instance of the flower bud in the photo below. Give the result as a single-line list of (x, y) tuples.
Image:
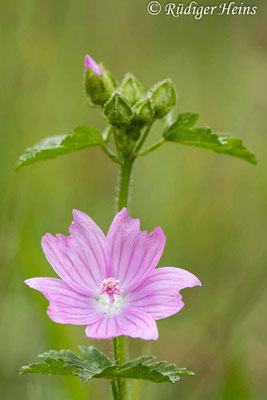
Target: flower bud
[(144, 112), (163, 98), (89, 62), (99, 83), (131, 89), (117, 110)]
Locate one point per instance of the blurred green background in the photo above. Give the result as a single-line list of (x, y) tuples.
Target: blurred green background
[(210, 206)]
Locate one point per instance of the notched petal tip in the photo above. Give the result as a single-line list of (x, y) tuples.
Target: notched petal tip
[(192, 280), (46, 238), (29, 283), (158, 231), (77, 213), (198, 283), (80, 216), (123, 217)]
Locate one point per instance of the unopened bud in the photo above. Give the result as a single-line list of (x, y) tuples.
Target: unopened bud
[(117, 110), (163, 98), (131, 89), (143, 112), (99, 83)]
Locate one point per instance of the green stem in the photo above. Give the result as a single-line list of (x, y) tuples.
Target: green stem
[(110, 154), (119, 348), (126, 170), (152, 148), (143, 139), (114, 390)]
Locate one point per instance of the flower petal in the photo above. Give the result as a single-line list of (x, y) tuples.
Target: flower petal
[(134, 253), (82, 259), (65, 305), (158, 295), (136, 324)]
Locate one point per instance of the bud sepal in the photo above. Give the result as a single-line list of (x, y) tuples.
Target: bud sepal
[(131, 89), (118, 111), (163, 98), (144, 113)]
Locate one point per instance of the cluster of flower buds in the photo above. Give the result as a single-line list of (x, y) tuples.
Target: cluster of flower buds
[(127, 106)]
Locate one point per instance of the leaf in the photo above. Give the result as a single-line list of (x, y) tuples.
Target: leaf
[(51, 147), (92, 354), (157, 372), (94, 364), (182, 131), (186, 120)]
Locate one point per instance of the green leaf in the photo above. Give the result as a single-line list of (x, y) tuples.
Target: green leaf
[(182, 132), (187, 120), (53, 146), (94, 364), (157, 372)]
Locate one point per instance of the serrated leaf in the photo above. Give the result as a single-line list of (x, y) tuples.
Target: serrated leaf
[(92, 354), (205, 138), (95, 364), (51, 147), (157, 372), (50, 367)]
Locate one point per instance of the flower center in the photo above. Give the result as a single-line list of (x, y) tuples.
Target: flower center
[(110, 286)]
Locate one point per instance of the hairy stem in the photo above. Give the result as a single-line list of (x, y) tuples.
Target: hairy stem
[(119, 347)]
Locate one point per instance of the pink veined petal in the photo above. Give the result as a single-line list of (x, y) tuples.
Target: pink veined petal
[(134, 253), (136, 324), (159, 294), (82, 259), (65, 305)]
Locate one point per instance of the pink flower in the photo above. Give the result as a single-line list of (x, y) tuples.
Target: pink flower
[(89, 62), (110, 283)]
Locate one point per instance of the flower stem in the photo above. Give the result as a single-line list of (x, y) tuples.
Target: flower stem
[(119, 388), (126, 170), (119, 350), (152, 148), (114, 390), (143, 139), (110, 154)]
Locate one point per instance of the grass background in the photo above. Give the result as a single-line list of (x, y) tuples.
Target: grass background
[(210, 206)]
